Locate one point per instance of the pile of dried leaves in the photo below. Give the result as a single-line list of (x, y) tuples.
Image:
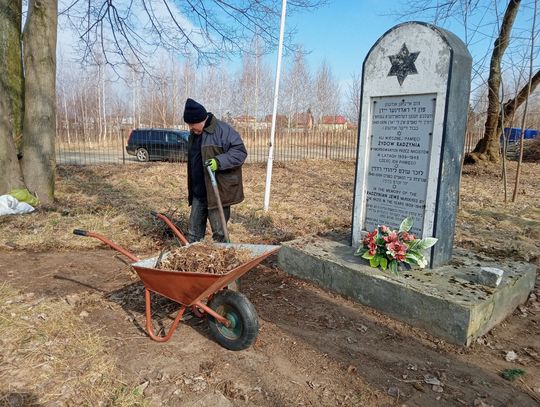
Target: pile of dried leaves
[(203, 257)]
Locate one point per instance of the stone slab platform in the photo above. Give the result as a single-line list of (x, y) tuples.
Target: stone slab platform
[(445, 301)]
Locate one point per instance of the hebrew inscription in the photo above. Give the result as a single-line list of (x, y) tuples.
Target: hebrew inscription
[(400, 152)]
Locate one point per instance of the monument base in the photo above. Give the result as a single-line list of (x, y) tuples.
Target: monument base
[(446, 301)]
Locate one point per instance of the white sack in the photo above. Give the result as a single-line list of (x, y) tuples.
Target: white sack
[(11, 206)]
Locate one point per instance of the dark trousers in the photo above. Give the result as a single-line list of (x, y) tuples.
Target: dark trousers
[(198, 218)]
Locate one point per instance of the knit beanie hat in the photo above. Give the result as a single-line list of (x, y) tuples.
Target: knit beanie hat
[(194, 112)]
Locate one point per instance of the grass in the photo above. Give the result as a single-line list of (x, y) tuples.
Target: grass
[(48, 352), (512, 374), (306, 197), (116, 201), (52, 355)]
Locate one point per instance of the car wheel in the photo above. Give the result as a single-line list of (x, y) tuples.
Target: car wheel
[(142, 154)]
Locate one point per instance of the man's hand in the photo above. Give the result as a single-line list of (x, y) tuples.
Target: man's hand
[(212, 163)]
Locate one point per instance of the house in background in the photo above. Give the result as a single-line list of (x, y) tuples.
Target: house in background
[(245, 121), (352, 126), (333, 123), (281, 121), (302, 120)]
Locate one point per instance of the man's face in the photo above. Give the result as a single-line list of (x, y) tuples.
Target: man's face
[(197, 128)]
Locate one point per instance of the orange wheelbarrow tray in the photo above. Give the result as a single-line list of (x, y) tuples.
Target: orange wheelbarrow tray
[(232, 319)]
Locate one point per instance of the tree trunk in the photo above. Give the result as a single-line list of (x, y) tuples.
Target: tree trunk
[(38, 161), (487, 148), (512, 105), (11, 94), (9, 164), (66, 114)]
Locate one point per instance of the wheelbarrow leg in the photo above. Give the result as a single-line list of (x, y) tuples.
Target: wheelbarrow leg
[(150, 328)]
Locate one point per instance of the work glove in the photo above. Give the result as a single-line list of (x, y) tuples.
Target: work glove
[(212, 163)]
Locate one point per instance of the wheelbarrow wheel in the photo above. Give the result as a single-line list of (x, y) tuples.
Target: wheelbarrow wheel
[(244, 323)]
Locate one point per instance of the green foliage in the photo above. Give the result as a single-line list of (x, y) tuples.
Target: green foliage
[(393, 266), (512, 374), (388, 249), (406, 225)]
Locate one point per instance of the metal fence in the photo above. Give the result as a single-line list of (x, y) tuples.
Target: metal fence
[(289, 145)]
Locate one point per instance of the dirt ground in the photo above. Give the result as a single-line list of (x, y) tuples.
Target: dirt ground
[(314, 348)]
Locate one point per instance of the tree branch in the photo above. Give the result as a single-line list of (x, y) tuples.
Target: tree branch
[(512, 105)]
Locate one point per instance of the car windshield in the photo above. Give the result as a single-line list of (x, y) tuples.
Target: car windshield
[(183, 135)]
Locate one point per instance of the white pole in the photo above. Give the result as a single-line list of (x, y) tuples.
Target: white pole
[(274, 113)]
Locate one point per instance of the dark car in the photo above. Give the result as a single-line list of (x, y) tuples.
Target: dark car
[(158, 144)]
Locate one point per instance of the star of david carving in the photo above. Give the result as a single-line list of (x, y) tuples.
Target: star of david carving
[(403, 64)]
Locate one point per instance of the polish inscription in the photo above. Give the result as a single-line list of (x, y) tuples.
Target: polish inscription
[(400, 151)]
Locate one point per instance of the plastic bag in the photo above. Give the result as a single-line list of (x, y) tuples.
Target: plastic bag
[(11, 206), (23, 195)]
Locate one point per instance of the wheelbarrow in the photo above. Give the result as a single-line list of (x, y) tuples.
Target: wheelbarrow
[(231, 317)]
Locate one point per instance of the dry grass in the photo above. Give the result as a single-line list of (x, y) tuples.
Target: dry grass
[(307, 197), (489, 224), (531, 150), (116, 201), (52, 355)]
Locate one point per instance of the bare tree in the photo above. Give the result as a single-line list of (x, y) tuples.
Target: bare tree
[(135, 85), (223, 95), (207, 29), (354, 97), (10, 78), (252, 86), (526, 97), (245, 86), (487, 148), (298, 87), (163, 93), (327, 92), (63, 100), (11, 94), (189, 79), (38, 154)]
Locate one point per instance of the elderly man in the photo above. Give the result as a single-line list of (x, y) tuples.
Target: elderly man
[(216, 144)]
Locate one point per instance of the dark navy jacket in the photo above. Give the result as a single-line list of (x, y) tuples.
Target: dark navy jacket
[(222, 142)]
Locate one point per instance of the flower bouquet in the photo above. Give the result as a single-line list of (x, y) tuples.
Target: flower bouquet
[(387, 248)]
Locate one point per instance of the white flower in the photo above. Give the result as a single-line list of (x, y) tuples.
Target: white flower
[(422, 262)]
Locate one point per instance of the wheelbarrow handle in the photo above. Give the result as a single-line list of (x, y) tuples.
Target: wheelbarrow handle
[(80, 232), (173, 227), (108, 242)]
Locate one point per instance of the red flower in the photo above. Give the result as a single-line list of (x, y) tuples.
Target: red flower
[(372, 248), (407, 237), (385, 229), (397, 250), (369, 238), (392, 237)]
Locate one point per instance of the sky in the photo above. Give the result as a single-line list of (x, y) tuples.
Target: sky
[(343, 31)]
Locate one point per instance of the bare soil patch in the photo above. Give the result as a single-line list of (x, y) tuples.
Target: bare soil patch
[(314, 347)]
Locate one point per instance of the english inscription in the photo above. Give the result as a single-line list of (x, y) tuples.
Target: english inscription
[(400, 151)]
